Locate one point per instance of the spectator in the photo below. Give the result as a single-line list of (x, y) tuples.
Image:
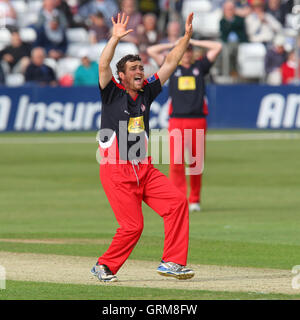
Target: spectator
[(233, 32), (129, 8), (8, 16), (275, 57), (37, 72), (279, 9), (169, 11), (48, 12), (149, 6), (16, 55), (173, 32), (288, 69), (107, 7), (242, 8), (98, 31), (232, 26), (87, 73), (148, 34), (260, 25), (52, 37), (63, 6)]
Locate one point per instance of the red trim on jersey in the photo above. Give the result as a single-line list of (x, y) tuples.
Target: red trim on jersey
[(134, 99), (119, 85), (205, 106), (170, 108)]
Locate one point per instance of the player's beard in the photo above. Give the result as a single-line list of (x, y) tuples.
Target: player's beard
[(136, 85)]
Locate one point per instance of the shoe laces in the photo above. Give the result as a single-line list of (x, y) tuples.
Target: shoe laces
[(174, 266), (103, 269)]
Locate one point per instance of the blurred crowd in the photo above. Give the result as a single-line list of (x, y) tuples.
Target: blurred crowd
[(49, 42)]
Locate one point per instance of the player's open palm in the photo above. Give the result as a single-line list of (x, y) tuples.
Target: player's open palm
[(189, 25), (119, 26)]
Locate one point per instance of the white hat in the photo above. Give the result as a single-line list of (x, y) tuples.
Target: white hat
[(83, 52), (279, 40)]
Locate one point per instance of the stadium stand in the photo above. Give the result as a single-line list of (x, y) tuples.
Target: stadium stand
[(208, 13)]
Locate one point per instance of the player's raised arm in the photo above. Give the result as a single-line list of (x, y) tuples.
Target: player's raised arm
[(213, 48), (176, 54), (119, 31), (156, 52)]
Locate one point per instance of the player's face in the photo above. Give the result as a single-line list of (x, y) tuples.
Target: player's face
[(134, 75), (187, 57)]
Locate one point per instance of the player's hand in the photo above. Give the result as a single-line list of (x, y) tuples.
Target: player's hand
[(119, 26), (189, 25)]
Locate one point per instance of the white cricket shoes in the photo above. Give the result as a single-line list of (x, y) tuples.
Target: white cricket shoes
[(194, 207)]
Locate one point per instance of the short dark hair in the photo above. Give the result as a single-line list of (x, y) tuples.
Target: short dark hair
[(99, 14), (121, 64)]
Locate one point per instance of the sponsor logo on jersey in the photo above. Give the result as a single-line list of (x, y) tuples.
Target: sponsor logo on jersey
[(178, 73), (151, 79), (136, 125), (186, 83), (196, 72)]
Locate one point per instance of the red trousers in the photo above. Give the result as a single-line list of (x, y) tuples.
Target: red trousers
[(126, 186), (177, 166)]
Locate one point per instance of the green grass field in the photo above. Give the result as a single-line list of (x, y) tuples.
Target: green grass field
[(250, 217)]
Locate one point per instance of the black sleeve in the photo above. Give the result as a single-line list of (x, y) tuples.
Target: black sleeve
[(29, 73), (204, 64), (110, 92), (152, 87)]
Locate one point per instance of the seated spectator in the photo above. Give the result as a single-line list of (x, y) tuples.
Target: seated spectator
[(149, 6), (8, 15), (260, 25), (37, 72), (275, 57), (148, 34), (48, 12), (242, 8), (232, 26), (288, 69), (173, 32), (87, 73), (279, 9), (129, 8), (16, 55), (52, 37), (169, 11), (109, 9), (233, 32), (98, 31), (63, 6)]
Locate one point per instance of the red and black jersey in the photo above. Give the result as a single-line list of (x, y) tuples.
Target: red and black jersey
[(125, 121), (187, 90)]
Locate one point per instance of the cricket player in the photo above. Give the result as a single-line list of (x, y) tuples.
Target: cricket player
[(188, 110), (126, 174)]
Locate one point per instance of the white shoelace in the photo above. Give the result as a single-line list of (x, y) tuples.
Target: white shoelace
[(136, 163)]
